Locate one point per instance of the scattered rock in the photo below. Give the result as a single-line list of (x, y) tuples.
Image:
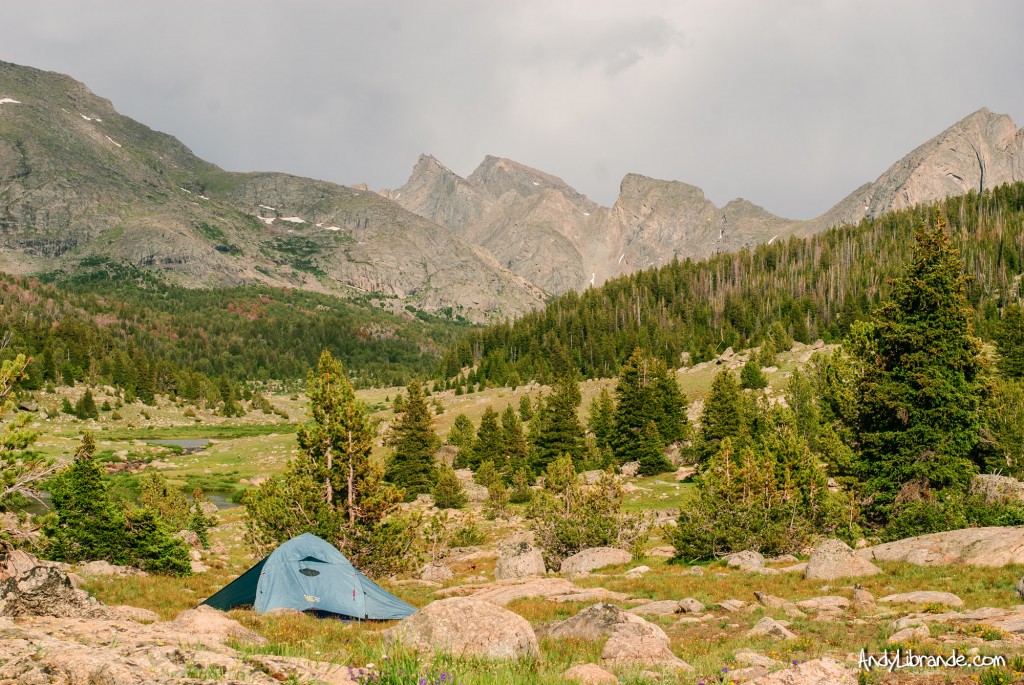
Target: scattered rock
[(751, 658), (29, 406), (689, 605), (207, 625), (637, 571), (1020, 588), (830, 603), (863, 601), (630, 469), (731, 605), (795, 568), (594, 558), (105, 568), (198, 566), (923, 597), (521, 560), (784, 559), (589, 674), (190, 538), (995, 546), (465, 626), (666, 551), (684, 472), (824, 671), (770, 601), (665, 607), (912, 634), (747, 560), (639, 642), (594, 623), (834, 559), (436, 573), (769, 627), (555, 589)]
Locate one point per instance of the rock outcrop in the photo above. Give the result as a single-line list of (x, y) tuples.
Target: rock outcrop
[(993, 546), (834, 559), (521, 560), (816, 672), (591, 559), (467, 627)]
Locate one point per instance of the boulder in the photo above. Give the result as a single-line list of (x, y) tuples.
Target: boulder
[(29, 587), (689, 605), (521, 560), (997, 489), (817, 672), (863, 600), (731, 605), (588, 560), (923, 597), (912, 634), (29, 406), (589, 674), (208, 626), (995, 546), (1020, 588), (829, 603), (105, 568), (665, 607), (446, 455), (747, 560), (436, 573), (770, 601), (665, 551), (751, 658), (637, 571), (190, 538), (594, 623), (769, 627), (834, 559), (630, 469), (640, 643), (466, 627)]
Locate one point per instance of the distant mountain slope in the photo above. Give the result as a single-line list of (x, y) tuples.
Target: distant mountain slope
[(538, 226), (79, 180), (980, 152)]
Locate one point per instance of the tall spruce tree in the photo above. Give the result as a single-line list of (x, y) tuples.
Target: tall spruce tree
[(412, 464), (922, 380), (646, 393), (601, 417), (1010, 342), (722, 416), (751, 377), (650, 452), (517, 452), (489, 444), (558, 429)]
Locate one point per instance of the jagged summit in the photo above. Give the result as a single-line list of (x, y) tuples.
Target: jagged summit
[(979, 152)]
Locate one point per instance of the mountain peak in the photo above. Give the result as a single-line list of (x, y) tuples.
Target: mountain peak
[(498, 175)]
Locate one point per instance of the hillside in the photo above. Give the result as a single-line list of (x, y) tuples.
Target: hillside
[(78, 180)]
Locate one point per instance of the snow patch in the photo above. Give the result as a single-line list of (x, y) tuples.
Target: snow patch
[(398, 195), (185, 190), (116, 143), (536, 183), (9, 101), (620, 257), (266, 219), (90, 118), (592, 277), (203, 197), (273, 209), (331, 228), (586, 213), (293, 219), (773, 239)]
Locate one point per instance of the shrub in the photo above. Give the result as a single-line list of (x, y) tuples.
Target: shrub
[(448, 492), (521, 492), (948, 510), (751, 377)]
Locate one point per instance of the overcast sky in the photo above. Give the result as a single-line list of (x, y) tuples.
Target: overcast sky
[(789, 104)]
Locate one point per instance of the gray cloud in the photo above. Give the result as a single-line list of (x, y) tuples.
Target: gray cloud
[(789, 104)]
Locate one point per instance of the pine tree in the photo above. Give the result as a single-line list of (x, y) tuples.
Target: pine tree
[(646, 393), (412, 464), (513, 438), (1010, 342), (923, 380), (751, 377), (448, 492), (601, 418), (489, 443), (525, 408), (334, 488), (722, 416), (229, 401), (487, 474), (21, 469), (650, 452), (85, 407), (145, 381), (461, 435), (521, 493), (558, 429)]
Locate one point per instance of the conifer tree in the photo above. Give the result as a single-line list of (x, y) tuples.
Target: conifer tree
[(1010, 342), (85, 407), (333, 487), (525, 408), (145, 381), (489, 444), (21, 469), (412, 464), (486, 474), (521, 492), (601, 418), (516, 450), (448, 491), (558, 428), (722, 416), (650, 452), (922, 380), (461, 435), (646, 393), (751, 377)]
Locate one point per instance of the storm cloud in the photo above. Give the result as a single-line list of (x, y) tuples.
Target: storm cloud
[(791, 105)]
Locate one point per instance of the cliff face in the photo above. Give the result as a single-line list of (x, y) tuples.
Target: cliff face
[(980, 152), (78, 181)]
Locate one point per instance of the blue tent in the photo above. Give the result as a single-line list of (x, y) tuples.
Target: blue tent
[(308, 573)]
